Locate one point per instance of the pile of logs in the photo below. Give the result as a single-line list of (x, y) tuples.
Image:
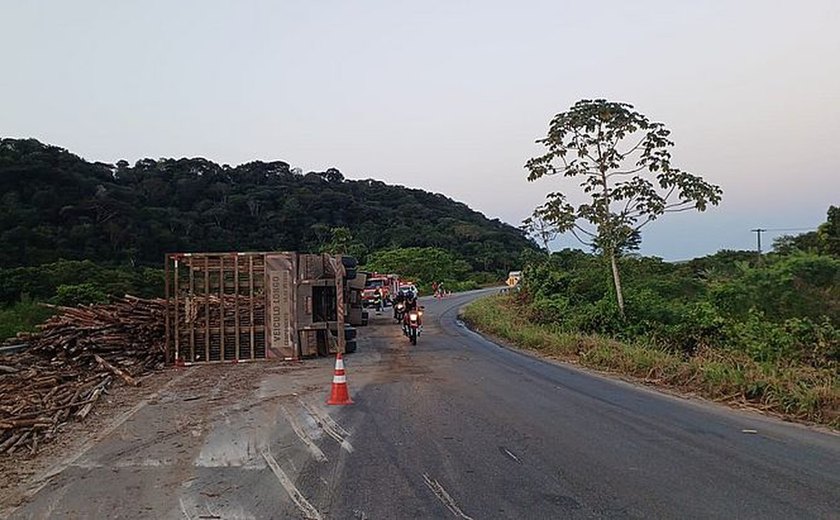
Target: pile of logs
[(71, 362)]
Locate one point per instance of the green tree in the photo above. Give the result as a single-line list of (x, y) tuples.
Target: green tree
[(424, 264), (343, 243), (79, 294), (789, 244), (622, 161), (825, 240), (541, 229), (55, 205), (829, 232)]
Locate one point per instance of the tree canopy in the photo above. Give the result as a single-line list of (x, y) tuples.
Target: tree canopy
[(825, 240), (622, 163), (55, 205), (424, 264)]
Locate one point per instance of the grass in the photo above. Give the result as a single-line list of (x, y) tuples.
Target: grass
[(22, 317), (791, 391)]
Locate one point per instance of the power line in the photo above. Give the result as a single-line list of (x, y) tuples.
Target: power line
[(787, 229), (759, 231)]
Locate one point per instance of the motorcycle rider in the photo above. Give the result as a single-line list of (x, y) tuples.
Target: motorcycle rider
[(411, 305), (399, 299)]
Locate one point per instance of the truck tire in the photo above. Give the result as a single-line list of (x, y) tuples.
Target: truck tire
[(349, 333)]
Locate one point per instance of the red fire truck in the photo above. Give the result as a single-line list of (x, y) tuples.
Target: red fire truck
[(387, 283)]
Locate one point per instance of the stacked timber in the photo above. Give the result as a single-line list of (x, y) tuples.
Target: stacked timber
[(71, 362)]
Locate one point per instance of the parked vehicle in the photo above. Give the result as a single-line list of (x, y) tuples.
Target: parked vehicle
[(388, 284), (409, 287)]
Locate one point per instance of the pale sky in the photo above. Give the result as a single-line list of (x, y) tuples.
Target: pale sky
[(447, 96)]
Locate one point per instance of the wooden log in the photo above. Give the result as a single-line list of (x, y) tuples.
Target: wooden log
[(85, 410), (8, 442), (124, 376), (22, 438)]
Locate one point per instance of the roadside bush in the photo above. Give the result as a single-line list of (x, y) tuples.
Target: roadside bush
[(601, 317), (485, 279), (801, 340), (41, 282), (460, 286), (801, 285), (79, 294), (700, 326), (551, 310), (22, 317), (785, 311)]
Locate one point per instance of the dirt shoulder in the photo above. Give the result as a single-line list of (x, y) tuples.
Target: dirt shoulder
[(163, 422)]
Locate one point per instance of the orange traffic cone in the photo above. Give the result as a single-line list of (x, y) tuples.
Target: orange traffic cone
[(339, 394)]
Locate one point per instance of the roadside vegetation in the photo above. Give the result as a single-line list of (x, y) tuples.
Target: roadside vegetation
[(76, 232), (730, 326), (426, 265), (733, 326), (22, 316), (55, 205), (24, 291), (421, 265)]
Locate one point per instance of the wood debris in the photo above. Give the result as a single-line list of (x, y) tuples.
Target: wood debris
[(70, 363)]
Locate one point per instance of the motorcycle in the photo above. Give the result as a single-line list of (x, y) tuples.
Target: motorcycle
[(413, 324), (399, 311)]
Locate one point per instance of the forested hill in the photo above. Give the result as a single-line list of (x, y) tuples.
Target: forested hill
[(56, 205)]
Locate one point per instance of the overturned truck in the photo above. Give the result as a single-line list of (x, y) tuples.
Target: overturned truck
[(248, 306)]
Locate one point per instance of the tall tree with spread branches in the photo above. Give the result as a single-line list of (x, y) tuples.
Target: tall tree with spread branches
[(622, 161), (541, 229)]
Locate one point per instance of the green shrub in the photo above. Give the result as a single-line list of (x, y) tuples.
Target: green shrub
[(79, 294), (22, 317), (796, 340), (41, 282), (786, 309)]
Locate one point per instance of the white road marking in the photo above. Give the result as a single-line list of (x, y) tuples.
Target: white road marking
[(328, 424), (310, 444), (444, 497), (184, 509), (297, 497), (511, 455)]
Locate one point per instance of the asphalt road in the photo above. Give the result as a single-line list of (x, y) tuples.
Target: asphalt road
[(458, 427), (455, 427)]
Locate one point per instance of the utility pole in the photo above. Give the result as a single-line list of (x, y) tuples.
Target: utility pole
[(758, 232)]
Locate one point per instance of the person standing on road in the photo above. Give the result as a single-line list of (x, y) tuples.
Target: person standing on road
[(378, 299)]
